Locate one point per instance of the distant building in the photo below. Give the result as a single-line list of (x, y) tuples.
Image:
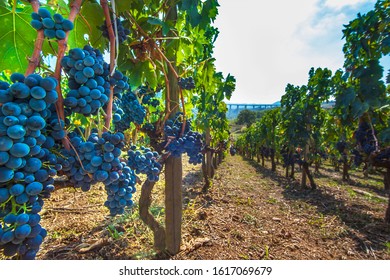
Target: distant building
[(235, 109)]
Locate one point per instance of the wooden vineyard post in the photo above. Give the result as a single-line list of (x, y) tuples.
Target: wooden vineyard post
[(173, 204), (209, 156), (173, 166), (305, 158), (387, 187)]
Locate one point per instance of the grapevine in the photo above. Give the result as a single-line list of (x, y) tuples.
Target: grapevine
[(73, 123)]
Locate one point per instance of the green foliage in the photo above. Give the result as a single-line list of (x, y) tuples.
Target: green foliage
[(212, 109), (367, 40), (246, 117), (16, 37), (367, 36), (86, 27), (265, 132)]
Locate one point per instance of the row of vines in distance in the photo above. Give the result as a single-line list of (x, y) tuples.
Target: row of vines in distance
[(356, 131), (72, 113)]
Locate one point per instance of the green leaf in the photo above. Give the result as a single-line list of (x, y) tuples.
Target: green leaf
[(17, 39), (149, 74), (139, 73), (86, 27), (385, 135), (166, 28), (346, 98), (210, 10), (3, 3), (155, 21), (193, 15), (359, 108), (125, 5)]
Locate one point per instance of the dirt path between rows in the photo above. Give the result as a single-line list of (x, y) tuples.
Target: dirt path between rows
[(252, 213), (248, 213)]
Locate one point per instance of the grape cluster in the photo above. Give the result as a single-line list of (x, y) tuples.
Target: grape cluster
[(122, 31), (91, 161), (287, 156), (265, 151), (365, 138), (53, 27), (148, 127), (89, 81), (341, 146), (98, 160), (120, 192), (383, 156), (147, 95), (128, 110), (232, 150), (357, 158), (120, 83), (55, 130), (144, 161), (130, 107), (186, 83), (89, 88), (27, 167), (322, 154), (190, 142)]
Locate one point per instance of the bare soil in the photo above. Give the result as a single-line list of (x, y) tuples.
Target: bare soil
[(248, 213)]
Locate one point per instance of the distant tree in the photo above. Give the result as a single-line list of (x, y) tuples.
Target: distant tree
[(260, 114), (246, 117)]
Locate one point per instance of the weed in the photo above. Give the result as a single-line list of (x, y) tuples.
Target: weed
[(387, 244), (319, 221), (351, 193), (249, 219), (244, 257), (272, 200), (266, 253), (113, 232), (373, 198), (55, 235)]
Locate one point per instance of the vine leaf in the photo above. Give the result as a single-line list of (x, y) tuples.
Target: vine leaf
[(125, 5), (140, 72), (359, 108), (16, 39), (385, 135), (346, 98), (193, 15), (156, 21), (86, 27)]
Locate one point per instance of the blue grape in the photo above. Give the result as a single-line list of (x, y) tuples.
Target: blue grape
[(53, 26), (144, 161)]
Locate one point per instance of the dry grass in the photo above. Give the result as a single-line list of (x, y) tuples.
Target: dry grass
[(249, 213)]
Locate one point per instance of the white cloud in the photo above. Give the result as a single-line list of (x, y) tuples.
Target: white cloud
[(267, 44), (339, 4)]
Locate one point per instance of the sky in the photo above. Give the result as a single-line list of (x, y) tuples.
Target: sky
[(268, 44)]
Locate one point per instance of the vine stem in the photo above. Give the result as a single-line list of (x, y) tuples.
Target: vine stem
[(62, 46), (147, 37), (166, 60), (184, 110), (373, 133), (168, 89), (35, 58), (111, 37)]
